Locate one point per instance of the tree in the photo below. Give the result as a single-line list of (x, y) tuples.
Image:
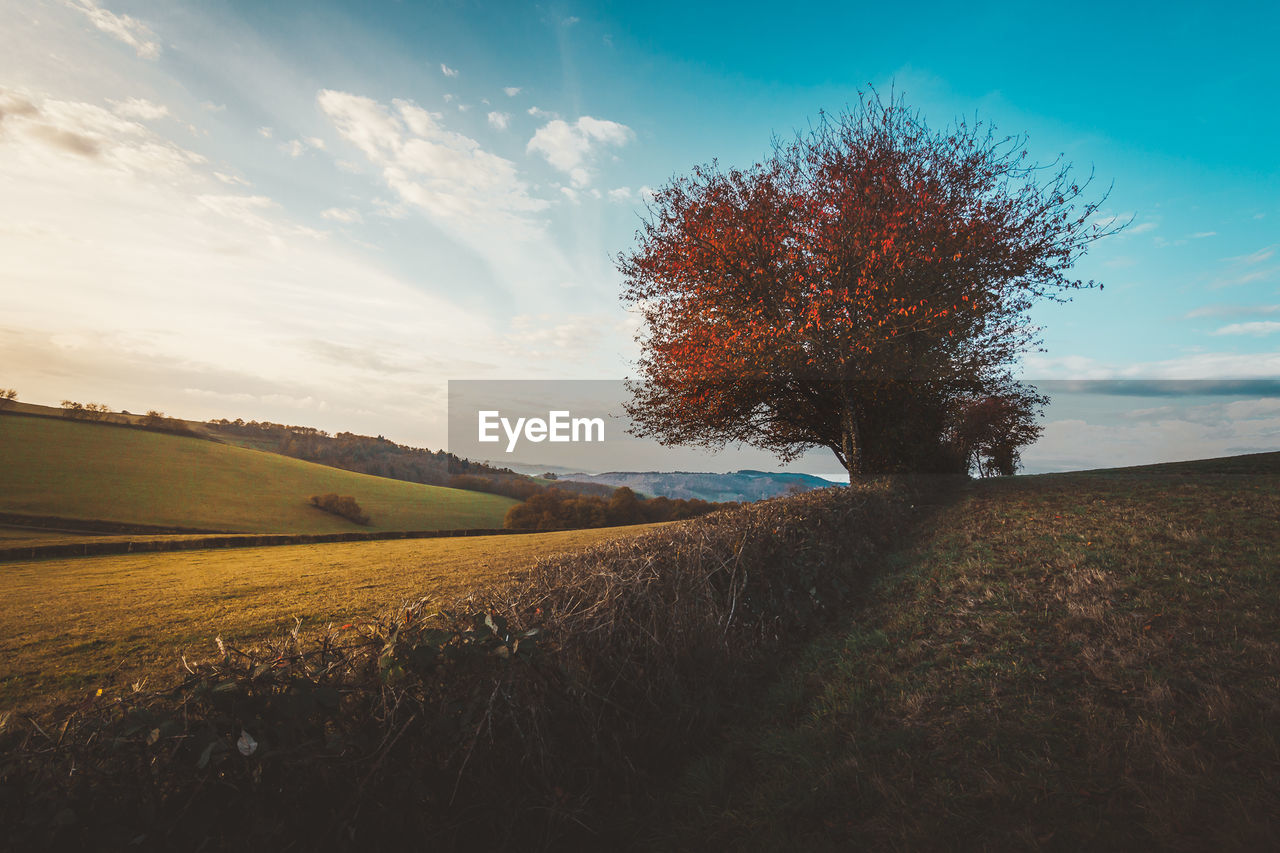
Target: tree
[(858, 290), (7, 396), (990, 431)]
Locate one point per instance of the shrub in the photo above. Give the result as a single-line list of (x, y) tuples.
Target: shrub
[(342, 505), (550, 709)]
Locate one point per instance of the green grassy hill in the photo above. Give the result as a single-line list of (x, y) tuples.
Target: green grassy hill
[(72, 469)]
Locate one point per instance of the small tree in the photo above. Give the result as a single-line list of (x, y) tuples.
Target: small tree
[(991, 430), (855, 291), (97, 411), (7, 396)]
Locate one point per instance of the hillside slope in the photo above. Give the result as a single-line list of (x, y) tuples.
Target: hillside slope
[(73, 469), (1067, 661)]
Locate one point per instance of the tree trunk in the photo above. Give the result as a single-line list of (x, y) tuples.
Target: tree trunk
[(850, 439)]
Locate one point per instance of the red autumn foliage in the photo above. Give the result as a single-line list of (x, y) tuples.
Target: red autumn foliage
[(857, 290)]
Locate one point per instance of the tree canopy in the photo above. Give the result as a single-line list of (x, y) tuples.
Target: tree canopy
[(865, 288)]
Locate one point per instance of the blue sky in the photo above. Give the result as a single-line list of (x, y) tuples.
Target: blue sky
[(320, 212)]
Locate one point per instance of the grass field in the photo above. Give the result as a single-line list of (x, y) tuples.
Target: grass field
[(71, 626), (73, 469), (1074, 661)]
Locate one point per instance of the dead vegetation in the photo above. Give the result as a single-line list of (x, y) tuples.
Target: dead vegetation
[(547, 713)]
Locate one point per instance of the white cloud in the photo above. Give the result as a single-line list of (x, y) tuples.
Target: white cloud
[(512, 91), (1244, 268), (447, 71), (620, 194), (1106, 219), (293, 148), (315, 142), (53, 128), (266, 132), (139, 108), (1257, 328), (1204, 365), (570, 194), (1200, 235), (499, 120), (568, 147), (1257, 257), (1162, 434), (446, 174), (538, 112), (570, 21), (1143, 228), (1233, 311), (344, 215), (127, 29), (231, 179), (462, 108), (474, 197)]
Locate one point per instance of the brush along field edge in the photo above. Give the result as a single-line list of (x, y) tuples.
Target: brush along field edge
[(529, 710)]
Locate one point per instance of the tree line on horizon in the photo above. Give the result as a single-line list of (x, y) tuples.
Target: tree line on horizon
[(556, 509)]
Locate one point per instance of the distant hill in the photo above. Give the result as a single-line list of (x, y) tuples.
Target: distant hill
[(54, 466), (734, 486)]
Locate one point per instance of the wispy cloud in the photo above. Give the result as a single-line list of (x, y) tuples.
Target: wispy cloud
[(1222, 310), (475, 197), (127, 29), (139, 108), (512, 91), (90, 132), (569, 147), (1247, 269), (447, 71), (444, 173), (1264, 254), (1203, 365), (499, 120), (1257, 328), (345, 215)]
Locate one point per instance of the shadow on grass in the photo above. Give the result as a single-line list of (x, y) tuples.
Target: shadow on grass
[(1081, 661)]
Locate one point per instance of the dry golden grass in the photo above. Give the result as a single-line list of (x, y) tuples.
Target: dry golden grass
[(68, 627)]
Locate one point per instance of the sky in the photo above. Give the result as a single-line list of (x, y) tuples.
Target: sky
[(319, 213)]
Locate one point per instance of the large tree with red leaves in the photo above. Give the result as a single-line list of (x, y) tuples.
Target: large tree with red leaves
[(864, 289)]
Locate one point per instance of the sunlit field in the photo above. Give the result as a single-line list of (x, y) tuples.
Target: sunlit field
[(70, 626)]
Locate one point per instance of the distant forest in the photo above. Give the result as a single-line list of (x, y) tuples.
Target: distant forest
[(384, 458)]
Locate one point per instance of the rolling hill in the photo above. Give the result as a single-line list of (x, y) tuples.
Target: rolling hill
[(94, 471), (734, 486)]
